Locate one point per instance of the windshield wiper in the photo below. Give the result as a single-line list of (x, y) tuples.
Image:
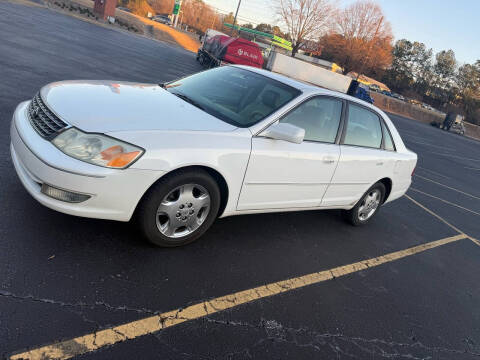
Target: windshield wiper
[(189, 100)]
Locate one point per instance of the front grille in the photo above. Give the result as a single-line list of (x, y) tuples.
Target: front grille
[(44, 121)]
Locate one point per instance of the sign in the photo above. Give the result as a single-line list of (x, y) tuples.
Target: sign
[(280, 40), (176, 7), (287, 47)]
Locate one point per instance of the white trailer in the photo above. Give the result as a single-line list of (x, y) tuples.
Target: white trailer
[(307, 72)]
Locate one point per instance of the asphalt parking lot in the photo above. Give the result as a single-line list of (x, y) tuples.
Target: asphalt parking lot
[(63, 277)]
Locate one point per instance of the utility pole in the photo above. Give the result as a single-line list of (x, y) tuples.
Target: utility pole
[(235, 18)]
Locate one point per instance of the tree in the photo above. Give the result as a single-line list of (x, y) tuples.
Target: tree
[(411, 67), (444, 73), (199, 16), (468, 81), (361, 39), (305, 19), (138, 7), (162, 6), (267, 28)]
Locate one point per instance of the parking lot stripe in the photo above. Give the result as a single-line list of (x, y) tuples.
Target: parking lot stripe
[(433, 213), (433, 172), (440, 218), (110, 336), (445, 201), (448, 187), (454, 156)]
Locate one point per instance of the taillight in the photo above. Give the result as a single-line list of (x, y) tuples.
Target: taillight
[(413, 171)]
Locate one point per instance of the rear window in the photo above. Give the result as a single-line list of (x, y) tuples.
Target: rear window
[(237, 96)]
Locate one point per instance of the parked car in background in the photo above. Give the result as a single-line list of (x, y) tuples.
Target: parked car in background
[(363, 93), (453, 122), (415, 102), (386, 92), (375, 87), (222, 49), (397, 96), (232, 140), (209, 33), (163, 19), (124, 9), (428, 107)]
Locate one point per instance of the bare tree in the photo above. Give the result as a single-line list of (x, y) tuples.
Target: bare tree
[(304, 19), (361, 38)]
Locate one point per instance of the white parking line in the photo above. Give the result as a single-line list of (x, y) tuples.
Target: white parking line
[(433, 214), (428, 144), (448, 187), (433, 172), (445, 201), (454, 156)]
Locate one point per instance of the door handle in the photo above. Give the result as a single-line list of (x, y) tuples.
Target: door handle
[(328, 159), (379, 163)]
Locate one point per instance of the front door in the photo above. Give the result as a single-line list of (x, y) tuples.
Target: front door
[(281, 174)]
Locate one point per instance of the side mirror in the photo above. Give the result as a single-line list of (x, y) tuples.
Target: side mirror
[(286, 132)]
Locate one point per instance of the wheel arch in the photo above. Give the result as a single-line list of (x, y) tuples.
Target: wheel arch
[(215, 174), (387, 182)]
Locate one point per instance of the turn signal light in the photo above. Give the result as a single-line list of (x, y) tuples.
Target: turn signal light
[(122, 159)]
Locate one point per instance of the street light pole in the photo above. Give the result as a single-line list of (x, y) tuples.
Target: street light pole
[(235, 18)]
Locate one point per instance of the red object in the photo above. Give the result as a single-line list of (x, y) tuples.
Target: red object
[(105, 8), (235, 50)]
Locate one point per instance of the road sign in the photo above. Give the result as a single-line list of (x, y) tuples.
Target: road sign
[(176, 7), (280, 40)]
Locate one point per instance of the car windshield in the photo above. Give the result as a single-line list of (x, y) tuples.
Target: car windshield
[(237, 96)]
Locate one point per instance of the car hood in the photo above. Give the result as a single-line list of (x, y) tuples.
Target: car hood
[(108, 106)]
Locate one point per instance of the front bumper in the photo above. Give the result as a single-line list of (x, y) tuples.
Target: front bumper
[(114, 193)]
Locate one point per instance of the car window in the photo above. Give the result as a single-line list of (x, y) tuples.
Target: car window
[(387, 139), (320, 117), (237, 96), (363, 128)]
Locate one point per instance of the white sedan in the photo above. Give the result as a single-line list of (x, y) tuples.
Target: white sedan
[(227, 141)]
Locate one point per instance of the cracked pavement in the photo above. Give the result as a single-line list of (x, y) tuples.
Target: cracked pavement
[(63, 277)]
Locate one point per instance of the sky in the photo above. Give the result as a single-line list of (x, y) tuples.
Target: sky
[(439, 24)]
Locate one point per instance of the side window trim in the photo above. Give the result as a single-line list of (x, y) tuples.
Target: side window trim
[(344, 130), (385, 126), (340, 124)]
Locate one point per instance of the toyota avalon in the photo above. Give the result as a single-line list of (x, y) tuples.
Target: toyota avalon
[(228, 141)]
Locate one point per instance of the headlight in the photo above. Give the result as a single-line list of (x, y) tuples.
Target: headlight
[(97, 149)]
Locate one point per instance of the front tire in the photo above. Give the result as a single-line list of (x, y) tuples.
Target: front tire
[(367, 207), (179, 208)]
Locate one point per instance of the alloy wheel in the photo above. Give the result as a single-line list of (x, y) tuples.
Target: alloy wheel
[(183, 210), (369, 205)]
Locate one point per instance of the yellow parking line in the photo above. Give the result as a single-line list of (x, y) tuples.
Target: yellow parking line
[(448, 187), (94, 341)]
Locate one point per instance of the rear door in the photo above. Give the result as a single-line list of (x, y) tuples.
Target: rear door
[(281, 174), (364, 159)]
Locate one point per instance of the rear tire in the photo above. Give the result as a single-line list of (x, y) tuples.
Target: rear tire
[(179, 208), (367, 207)]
